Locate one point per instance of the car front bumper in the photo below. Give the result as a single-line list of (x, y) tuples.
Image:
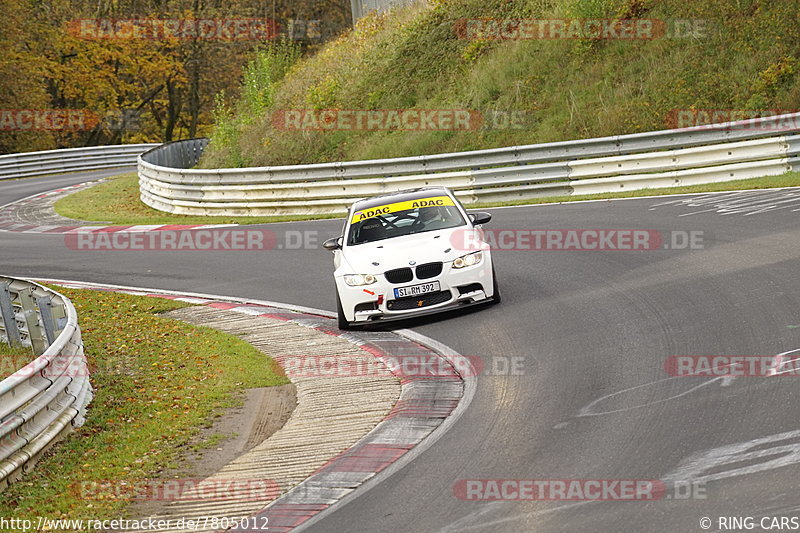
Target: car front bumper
[(458, 287)]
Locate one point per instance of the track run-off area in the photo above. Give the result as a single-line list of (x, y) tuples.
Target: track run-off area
[(576, 383)]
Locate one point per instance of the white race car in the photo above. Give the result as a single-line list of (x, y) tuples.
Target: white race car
[(410, 253)]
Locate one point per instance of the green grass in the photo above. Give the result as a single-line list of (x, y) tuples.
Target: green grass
[(157, 382), (6, 350), (117, 202), (12, 358), (790, 179), (94, 203)]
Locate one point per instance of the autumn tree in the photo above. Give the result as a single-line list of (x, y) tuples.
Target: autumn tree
[(157, 86)]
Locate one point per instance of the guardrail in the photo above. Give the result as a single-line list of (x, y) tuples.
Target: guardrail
[(707, 154), (44, 399), (47, 162), (361, 8)]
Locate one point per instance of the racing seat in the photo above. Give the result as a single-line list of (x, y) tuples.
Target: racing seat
[(371, 230)]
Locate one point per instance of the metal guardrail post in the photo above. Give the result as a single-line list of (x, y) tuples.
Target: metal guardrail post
[(59, 314), (45, 304), (7, 313), (29, 311)]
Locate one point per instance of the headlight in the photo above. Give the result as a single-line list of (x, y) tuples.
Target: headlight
[(468, 260), (354, 280)]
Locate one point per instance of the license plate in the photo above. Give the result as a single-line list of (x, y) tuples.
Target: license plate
[(416, 290)]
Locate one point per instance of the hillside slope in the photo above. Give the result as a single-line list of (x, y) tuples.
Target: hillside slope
[(729, 55)]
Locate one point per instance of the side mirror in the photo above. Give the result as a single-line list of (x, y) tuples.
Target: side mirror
[(333, 244), (480, 218)]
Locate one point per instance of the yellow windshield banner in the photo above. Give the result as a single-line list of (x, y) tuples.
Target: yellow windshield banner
[(434, 201)]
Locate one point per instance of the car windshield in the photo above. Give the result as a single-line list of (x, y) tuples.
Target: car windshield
[(403, 218)]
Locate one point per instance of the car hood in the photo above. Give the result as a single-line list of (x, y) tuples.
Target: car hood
[(427, 247)]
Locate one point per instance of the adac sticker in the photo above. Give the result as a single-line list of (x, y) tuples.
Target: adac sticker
[(434, 201)]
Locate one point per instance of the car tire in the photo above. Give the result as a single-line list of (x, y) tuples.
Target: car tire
[(343, 324), (496, 290)]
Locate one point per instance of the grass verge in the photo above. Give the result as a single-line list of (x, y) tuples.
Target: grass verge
[(115, 202), (11, 357), (790, 179), (157, 381), (5, 349)]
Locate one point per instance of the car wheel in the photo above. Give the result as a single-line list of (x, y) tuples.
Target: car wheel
[(496, 297), (343, 323)]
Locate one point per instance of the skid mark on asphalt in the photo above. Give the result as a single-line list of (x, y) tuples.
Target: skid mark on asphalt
[(724, 381), (790, 362), (744, 203), (589, 409), (741, 458), (757, 455), (471, 522)]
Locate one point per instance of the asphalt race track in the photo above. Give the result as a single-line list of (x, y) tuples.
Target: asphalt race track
[(13, 190), (590, 332)]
